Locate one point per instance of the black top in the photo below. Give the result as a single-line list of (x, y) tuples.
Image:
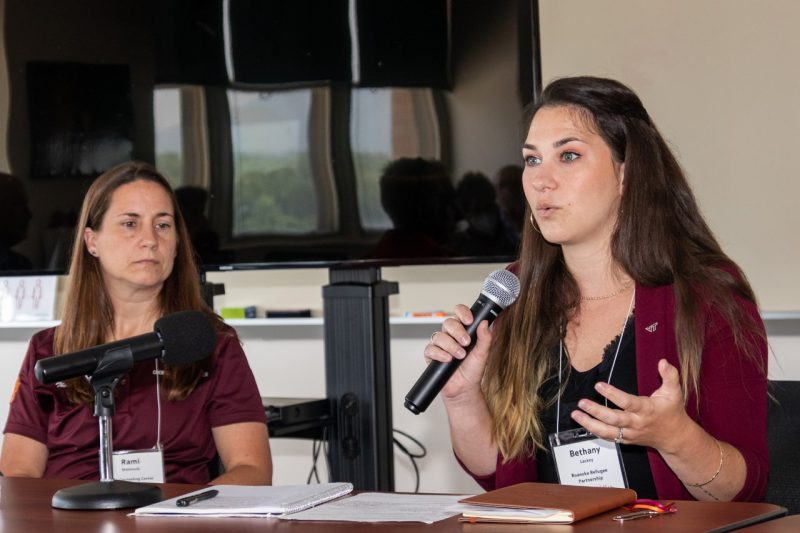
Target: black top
[(581, 385)]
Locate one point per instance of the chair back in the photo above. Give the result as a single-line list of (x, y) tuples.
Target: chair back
[(783, 437), (215, 468)]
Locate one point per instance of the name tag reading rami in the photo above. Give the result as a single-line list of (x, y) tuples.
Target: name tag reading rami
[(589, 462), (145, 466)]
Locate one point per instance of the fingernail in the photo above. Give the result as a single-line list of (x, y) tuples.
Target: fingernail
[(461, 353), (465, 339), (599, 386)]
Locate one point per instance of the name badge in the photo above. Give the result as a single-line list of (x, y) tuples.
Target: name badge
[(145, 466), (585, 460)]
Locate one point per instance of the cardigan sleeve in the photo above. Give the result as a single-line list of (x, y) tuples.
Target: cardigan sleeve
[(732, 403), (517, 470), (733, 398)]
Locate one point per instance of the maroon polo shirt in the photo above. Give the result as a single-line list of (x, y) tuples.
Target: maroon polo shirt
[(227, 394)]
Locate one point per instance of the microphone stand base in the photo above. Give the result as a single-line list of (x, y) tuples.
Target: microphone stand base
[(115, 494)]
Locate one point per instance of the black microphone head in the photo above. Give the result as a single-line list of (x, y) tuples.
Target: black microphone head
[(188, 336), (502, 287)]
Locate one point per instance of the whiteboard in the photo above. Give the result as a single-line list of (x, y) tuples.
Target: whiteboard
[(720, 79)]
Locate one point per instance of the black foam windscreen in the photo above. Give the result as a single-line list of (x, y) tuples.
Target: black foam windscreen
[(188, 336)]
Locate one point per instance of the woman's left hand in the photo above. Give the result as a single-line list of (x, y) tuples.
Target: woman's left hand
[(654, 421)]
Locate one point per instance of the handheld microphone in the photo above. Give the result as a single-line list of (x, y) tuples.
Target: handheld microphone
[(500, 289), (179, 339)]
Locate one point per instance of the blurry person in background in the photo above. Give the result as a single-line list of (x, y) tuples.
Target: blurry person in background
[(511, 200), (483, 232), (419, 198), (192, 201)]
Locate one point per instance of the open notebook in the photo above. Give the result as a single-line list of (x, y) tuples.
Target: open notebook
[(238, 500)]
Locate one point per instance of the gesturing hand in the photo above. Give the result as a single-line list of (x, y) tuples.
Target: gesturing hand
[(654, 420)]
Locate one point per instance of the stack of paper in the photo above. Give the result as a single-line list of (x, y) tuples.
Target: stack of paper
[(239, 500)]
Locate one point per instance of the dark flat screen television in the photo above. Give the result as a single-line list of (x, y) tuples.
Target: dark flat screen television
[(303, 133)]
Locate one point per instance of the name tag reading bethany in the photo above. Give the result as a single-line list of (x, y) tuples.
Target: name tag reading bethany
[(583, 459), (139, 465)]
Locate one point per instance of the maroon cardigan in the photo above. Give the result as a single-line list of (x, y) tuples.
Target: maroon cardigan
[(733, 396)]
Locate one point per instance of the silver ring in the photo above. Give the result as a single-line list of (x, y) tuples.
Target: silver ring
[(433, 335), (619, 438)]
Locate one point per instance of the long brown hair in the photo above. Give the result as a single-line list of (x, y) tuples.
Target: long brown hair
[(675, 246), (88, 314)]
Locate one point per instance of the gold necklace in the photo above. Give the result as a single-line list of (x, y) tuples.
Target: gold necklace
[(606, 297)]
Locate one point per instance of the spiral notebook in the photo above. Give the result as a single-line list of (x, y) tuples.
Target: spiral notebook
[(252, 501)]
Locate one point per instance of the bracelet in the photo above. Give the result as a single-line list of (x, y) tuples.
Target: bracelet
[(719, 468)]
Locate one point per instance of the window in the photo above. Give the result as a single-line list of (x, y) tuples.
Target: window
[(387, 124), (168, 133), (280, 182), (273, 170), (181, 135)]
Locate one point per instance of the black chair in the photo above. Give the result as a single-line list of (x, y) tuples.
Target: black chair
[(215, 467), (783, 436)]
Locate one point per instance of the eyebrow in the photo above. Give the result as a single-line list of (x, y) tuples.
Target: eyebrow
[(557, 144), (137, 215)]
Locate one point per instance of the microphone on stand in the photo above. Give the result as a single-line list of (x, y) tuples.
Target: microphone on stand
[(179, 339), (500, 289)]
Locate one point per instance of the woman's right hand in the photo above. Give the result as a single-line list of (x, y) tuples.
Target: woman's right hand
[(467, 412), (450, 343)]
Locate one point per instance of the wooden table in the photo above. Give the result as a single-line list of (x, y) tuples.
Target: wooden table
[(787, 524), (25, 507)]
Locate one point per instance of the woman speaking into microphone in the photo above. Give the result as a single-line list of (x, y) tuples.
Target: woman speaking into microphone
[(132, 262), (635, 355)]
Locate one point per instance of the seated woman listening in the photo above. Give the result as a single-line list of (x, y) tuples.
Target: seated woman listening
[(132, 262)]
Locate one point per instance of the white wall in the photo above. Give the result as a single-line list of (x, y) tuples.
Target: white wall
[(716, 77), (288, 361)]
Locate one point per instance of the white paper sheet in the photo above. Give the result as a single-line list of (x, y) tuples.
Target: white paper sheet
[(251, 501), (385, 507)]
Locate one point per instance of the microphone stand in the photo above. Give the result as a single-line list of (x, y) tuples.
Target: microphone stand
[(107, 493)]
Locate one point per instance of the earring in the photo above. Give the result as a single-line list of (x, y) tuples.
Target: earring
[(93, 252), (533, 223)]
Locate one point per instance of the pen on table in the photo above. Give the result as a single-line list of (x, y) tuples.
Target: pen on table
[(189, 500)]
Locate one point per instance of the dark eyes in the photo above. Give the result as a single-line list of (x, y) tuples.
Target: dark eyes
[(133, 224)]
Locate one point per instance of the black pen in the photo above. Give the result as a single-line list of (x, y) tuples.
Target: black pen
[(189, 500)]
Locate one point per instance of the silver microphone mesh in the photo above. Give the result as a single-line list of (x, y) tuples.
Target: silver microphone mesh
[(502, 287)]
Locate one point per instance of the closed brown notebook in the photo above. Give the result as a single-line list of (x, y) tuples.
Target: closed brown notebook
[(544, 503)]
